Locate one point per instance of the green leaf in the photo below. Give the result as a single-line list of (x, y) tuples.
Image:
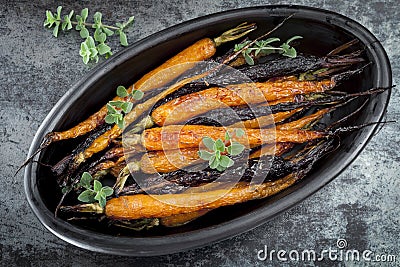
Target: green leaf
[(108, 55), (50, 19), (241, 45), (100, 36), (290, 52), (85, 180), (120, 124), (109, 119), (84, 14), (293, 38), (59, 8), (64, 25), (84, 49), (203, 154), (208, 142), (119, 116), (103, 48), (227, 136), (102, 201), (126, 107), (98, 195), (129, 108), (55, 30), (71, 13), (67, 24), (218, 155), (97, 20), (137, 94), (111, 109), (270, 40), (121, 91), (240, 132), (84, 33), (122, 38), (107, 31), (213, 162), (226, 162), (117, 104), (219, 146), (90, 43), (235, 148), (85, 59), (249, 60), (87, 196), (96, 186), (107, 191), (221, 168), (129, 22)]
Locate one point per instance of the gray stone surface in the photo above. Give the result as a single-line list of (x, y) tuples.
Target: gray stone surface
[(361, 205)]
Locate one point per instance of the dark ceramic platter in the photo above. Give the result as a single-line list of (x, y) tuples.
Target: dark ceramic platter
[(322, 31)]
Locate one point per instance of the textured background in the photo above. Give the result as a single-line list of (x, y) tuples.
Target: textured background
[(361, 205)]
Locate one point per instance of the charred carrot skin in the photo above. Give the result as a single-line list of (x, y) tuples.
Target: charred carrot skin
[(265, 120), (172, 160), (192, 105), (145, 206), (176, 136), (303, 122), (269, 167)]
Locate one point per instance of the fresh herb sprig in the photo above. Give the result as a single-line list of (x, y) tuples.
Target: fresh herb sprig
[(218, 157), (264, 47), (117, 109), (96, 192), (94, 46)]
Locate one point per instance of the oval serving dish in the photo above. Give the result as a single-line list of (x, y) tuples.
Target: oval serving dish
[(322, 31)]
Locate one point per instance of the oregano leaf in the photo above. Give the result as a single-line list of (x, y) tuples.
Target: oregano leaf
[(87, 196), (96, 186), (137, 94), (121, 91), (123, 39)]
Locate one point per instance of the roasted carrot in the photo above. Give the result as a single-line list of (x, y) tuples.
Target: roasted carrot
[(166, 161), (303, 122), (267, 150), (263, 121), (177, 136), (191, 105), (146, 206), (171, 160)]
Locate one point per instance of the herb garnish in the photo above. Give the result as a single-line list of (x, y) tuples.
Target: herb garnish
[(217, 158), (94, 46), (264, 47), (115, 108), (96, 192)]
